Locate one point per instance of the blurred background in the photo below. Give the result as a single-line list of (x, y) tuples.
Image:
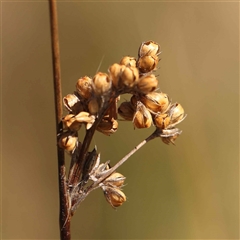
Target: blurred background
[(187, 191)]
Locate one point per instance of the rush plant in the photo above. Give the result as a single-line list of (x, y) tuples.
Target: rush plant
[(93, 105)]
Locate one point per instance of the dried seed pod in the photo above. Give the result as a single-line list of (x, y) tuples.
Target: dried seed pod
[(128, 77), (85, 117), (69, 121), (147, 84), (150, 48), (84, 87), (108, 127), (147, 64), (126, 111), (115, 71), (142, 117), (111, 112), (72, 103), (115, 180), (93, 106), (170, 139), (162, 120), (114, 196), (102, 83), (128, 61), (176, 112), (68, 141), (156, 102)]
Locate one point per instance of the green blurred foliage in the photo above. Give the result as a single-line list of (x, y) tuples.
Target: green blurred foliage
[(185, 191)]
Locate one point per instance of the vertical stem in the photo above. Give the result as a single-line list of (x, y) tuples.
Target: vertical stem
[(63, 193)]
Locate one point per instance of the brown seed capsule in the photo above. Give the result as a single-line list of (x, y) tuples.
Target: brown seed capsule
[(128, 61), (147, 84), (93, 106), (85, 117), (149, 48), (68, 141), (72, 103), (128, 77), (102, 83), (115, 180), (142, 117), (84, 87), (156, 102), (114, 196), (176, 112), (69, 121), (108, 127), (162, 120), (170, 139), (115, 71), (147, 64), (126, 111)]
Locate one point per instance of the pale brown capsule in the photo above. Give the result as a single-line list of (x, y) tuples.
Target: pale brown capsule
[(142, 117), (128, 77), (128, 61), (147, 84), (111, 112), (147, 64), (68, 141), (170, 135), (162, 120), (72, 103), (150, 48), (102, 83), (115, 180), (93, 106), (114, 196), (176, 112), (156, 102), (85, 117), (69, 121), (115, 71), (84, 87), (126, 111), (108, 127)]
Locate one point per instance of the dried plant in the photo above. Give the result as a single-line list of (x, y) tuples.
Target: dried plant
[(93, 104)]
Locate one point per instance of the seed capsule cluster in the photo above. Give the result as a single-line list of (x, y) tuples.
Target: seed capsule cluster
[(95, 102)]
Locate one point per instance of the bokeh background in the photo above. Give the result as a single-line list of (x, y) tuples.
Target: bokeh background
[(187, 191)]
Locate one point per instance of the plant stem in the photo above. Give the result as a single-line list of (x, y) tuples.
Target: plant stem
[(96, 185), (63, 193)]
